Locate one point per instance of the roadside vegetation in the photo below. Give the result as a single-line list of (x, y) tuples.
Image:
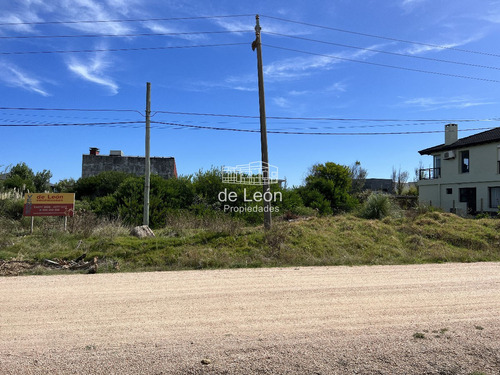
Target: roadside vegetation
[(327, 221)]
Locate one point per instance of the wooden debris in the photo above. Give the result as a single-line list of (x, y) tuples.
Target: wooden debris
[(77, 264)]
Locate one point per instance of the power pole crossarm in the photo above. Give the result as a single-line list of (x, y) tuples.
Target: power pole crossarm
[(257, 45)]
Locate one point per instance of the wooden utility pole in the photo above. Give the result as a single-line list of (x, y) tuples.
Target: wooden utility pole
[(147, 178), (263, 130)]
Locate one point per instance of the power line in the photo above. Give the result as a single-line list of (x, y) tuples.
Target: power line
[(249, 116), (72, 124), (124, 35), (199, 127), (69, 109), (383, 37), (323, 118), (386, 52), (31, 123), (384, 65), (122, 49), (306, 133), (124, 20)]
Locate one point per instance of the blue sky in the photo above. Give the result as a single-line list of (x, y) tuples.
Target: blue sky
[(316, 72)]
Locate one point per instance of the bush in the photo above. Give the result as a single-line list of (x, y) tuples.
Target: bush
[(103, 184), (333, 182), (377, 206), (12, 208)]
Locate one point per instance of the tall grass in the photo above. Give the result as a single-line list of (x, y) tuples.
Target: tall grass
[(190, 242), (377, 206)]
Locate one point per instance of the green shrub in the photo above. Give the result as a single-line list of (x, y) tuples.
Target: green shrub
[(12, 208), (332, 182), (103, 184), (377, 206)]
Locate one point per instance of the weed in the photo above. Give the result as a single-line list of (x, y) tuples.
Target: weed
[(182, 221), (276, 239), (377, 206), (220, 241), (419, 335)]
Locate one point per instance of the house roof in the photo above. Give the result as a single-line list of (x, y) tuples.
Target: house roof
[(488, 136)]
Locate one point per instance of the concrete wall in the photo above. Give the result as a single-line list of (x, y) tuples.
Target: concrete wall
[(483, 174), (94, 164)]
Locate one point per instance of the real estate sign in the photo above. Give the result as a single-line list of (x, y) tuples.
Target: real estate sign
[(49, 204)]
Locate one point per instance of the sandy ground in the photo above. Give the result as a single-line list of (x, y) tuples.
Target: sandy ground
[(319, 320)]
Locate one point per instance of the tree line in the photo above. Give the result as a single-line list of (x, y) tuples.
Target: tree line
[(329, 188)]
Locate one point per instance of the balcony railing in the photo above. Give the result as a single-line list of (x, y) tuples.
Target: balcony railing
[(429, 173)]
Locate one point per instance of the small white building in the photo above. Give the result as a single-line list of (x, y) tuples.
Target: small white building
[(465, 177)]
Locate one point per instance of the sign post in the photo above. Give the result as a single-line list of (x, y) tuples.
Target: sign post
[(49, 204)]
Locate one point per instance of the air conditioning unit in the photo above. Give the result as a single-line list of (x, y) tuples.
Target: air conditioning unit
[(449, 155)]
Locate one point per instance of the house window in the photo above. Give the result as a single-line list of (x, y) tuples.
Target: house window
[(437, 166), (494, 196), (464, 161), (449, 191), (498, 159)]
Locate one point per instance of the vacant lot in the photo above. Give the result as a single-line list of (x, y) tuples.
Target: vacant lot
[(422, 319)]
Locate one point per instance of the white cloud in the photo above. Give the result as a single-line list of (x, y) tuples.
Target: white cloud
[(337, 87), (231, 83), (234, 25), (94, 70), (493, 15), (281, 102), (406, 3), (299, 67), (434, 103), (420, 49), (409, 5), (14, 76), (158, 28), (267, 25), (15, 18), (96, 10)]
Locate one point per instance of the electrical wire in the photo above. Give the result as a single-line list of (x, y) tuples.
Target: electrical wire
[(383, 65), (306, 133), (122, 49), (72, 124), (323, 118), (69, 109), (382, 37), (250, 116), (385, 52), (124, 20), (123, 35), (139, 124)]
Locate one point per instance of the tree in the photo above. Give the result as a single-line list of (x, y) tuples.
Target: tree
[(333, 182), (399, 180), (20, 177), (358, 177), (103, 184), (417, 176), (41, 180), (66, 185)]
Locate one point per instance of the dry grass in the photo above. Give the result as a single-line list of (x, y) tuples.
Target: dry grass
[(190, 242)]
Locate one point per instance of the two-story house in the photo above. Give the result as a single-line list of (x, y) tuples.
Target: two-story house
[(465, 177)]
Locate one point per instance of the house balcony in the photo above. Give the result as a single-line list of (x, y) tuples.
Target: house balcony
[(429, 173)]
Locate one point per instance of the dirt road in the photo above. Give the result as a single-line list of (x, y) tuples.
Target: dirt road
[(321, 320)]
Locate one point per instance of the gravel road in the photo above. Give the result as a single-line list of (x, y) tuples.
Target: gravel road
[(314, 320)]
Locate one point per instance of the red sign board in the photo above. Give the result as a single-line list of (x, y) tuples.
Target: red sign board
[(49, 204)]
